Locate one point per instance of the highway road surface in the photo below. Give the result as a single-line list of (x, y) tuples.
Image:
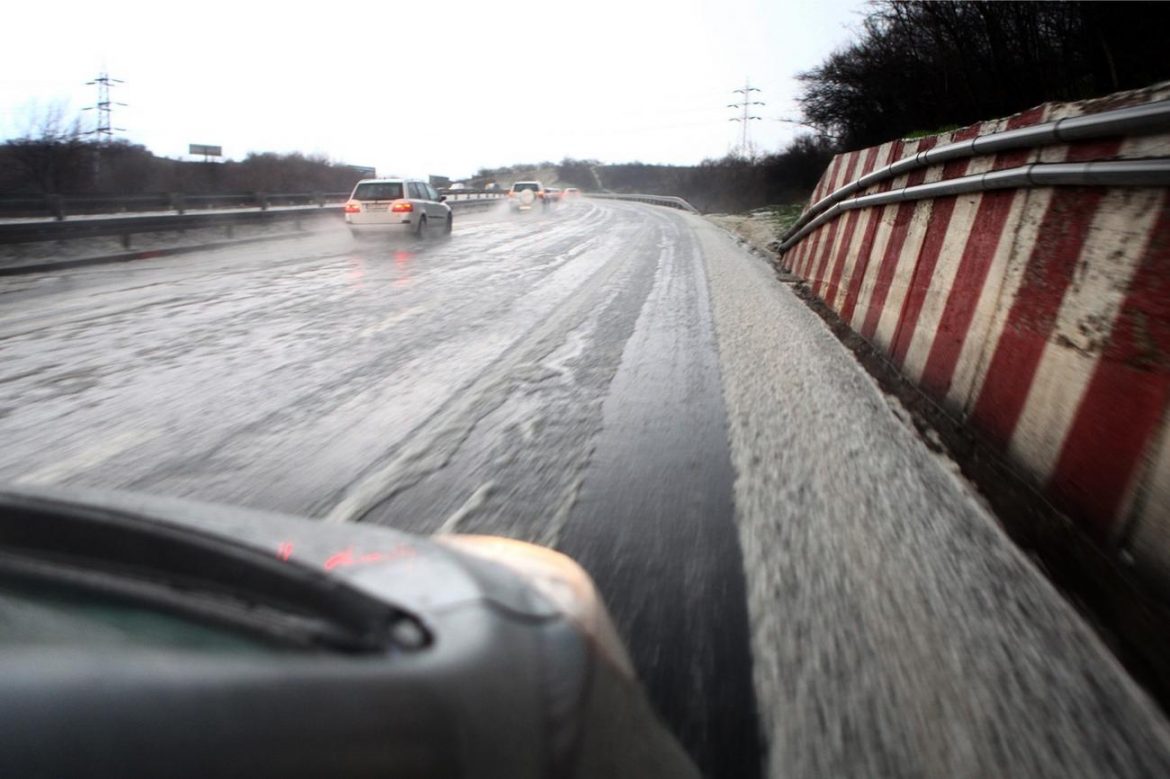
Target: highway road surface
[(807, 589)]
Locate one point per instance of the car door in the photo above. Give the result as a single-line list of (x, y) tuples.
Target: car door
[(434, 206), (425, 202), (418, 198)]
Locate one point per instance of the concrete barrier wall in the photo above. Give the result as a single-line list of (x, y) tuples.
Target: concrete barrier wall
[(1040, 316)]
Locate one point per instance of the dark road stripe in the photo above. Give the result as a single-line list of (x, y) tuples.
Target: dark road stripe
[(655, 527)]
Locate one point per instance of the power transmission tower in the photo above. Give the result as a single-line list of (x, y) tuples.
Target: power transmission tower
[(104, 130), (745, 104)]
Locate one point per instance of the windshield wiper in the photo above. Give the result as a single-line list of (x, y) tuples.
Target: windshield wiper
[(183, 570)]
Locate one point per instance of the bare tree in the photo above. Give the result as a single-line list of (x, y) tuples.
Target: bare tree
[(922, 66), (50, 155)]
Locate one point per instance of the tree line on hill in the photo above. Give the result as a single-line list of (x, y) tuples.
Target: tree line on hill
[(54, 157), (730, 184), (925, 66)]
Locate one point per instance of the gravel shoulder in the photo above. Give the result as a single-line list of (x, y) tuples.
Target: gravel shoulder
[(896, 631)]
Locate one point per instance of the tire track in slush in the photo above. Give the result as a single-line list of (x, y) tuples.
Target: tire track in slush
[(430, 446), (655, 522)]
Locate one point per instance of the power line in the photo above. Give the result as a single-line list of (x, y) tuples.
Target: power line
[(746, 102), (819, 131), (104, 129)]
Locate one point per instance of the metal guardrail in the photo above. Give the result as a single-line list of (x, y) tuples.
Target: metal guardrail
[(1134, 120), (61, 207), (127, 225), (654, 200), (463, 195), (1123, 173)]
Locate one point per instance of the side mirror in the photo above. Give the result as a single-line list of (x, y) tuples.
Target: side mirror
[(442, 198)]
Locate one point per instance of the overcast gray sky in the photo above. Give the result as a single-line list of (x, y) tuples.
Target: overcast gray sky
[(442, 87)]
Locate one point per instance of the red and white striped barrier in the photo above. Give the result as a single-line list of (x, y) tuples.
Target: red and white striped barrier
[(1041, 316)]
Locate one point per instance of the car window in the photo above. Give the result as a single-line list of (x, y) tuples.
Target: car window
[(416, 191), (46, 617), (523, 185), (431, 192), (383, 190)]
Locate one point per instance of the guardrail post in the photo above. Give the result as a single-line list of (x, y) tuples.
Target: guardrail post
[(178, 203), (56, 206), (262, 200), (319, 199), (125, 240)]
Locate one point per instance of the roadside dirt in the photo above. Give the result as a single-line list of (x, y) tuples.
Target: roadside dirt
[(759, 230)]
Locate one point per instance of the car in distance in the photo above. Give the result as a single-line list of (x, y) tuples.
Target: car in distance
[(553, 194), (525, 194), (570, 193), (397, 205)]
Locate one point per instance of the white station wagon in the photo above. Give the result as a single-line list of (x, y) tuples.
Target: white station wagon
[(397, 206)]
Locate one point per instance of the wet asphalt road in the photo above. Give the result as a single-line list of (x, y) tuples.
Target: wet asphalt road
[(510, 380), (806, 589)]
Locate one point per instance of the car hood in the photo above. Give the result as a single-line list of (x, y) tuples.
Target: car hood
[(413, 573)]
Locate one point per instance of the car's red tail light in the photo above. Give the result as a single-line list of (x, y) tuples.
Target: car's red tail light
[(402, 207), (353, 207)]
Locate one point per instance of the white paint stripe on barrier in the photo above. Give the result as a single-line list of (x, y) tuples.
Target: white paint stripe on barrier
[(1146, 147), (846, 172), (838, 180), (824, 267), (1061, 380), (958, 233), (999, 288), (883, 157), (852, 229), (881, 240), (911, 149), (887, 215), (798, 261), (1105, 266), (1016, 247), (947, 263), (836, 295), (903, 274), (827, 248), (911, 248), (1003, 282)]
